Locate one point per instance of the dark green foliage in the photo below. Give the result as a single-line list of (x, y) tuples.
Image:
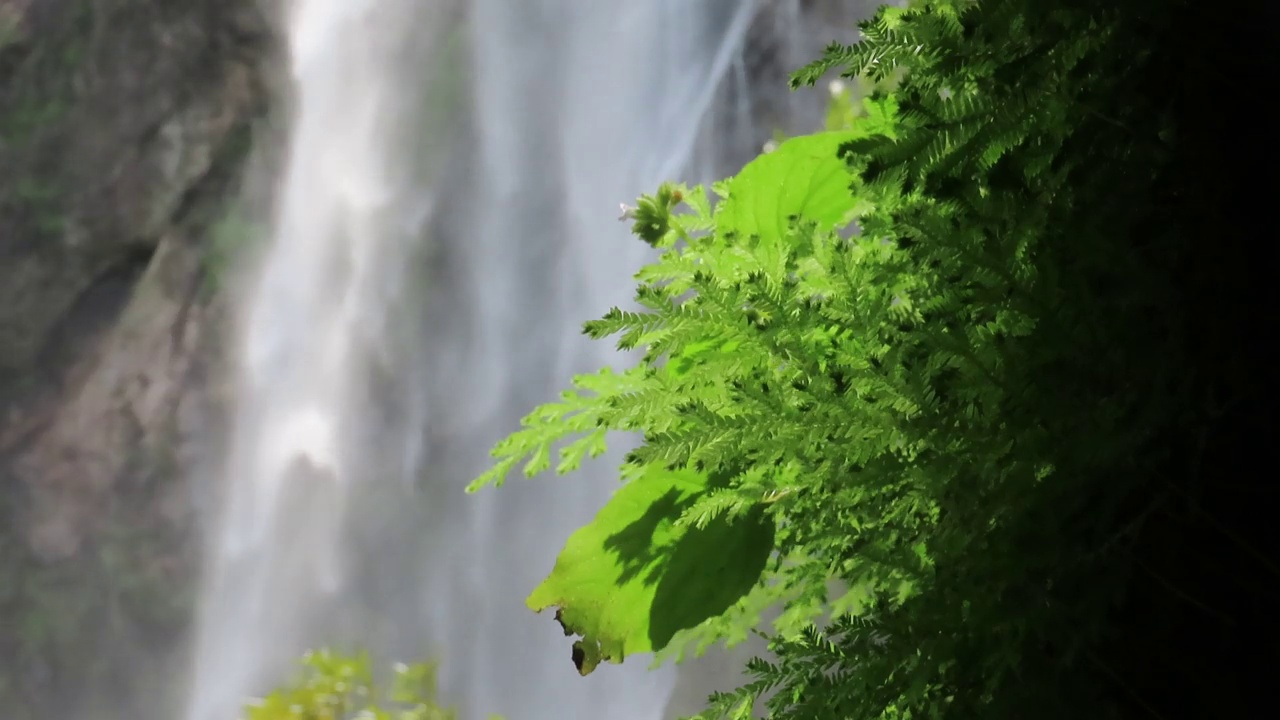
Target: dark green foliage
[(1009, 417), (1041, 168)]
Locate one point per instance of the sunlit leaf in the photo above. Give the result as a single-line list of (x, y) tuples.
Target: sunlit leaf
[(632, 578)]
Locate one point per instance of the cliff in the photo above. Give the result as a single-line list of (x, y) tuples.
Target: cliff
[(123, 124)]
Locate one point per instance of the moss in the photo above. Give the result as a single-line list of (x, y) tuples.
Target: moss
[(34, 101), (43, 201), (232, 228), (229, 237), (76, 630), (11, 31)]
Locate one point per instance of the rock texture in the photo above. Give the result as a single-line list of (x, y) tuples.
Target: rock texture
[(123, 126)]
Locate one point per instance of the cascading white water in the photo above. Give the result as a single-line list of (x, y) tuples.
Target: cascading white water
[(579, 106), (314, 332), (423, 288)]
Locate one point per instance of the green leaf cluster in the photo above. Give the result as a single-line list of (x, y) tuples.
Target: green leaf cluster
[(334, 686)]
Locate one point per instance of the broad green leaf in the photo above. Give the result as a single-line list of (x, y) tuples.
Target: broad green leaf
[(631, 579), (804, 177)]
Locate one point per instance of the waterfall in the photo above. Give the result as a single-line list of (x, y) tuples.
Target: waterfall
[(580, 106), (314, 330), (445, 220)]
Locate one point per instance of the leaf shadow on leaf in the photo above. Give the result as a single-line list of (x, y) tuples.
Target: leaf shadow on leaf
[(699, 576), (635, 545), (735, 552)]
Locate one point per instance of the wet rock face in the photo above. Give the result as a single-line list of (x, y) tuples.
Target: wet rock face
[(120, 120), (111, 113), (123, 125)]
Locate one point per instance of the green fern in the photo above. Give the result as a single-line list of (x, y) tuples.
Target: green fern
[(916, 407)]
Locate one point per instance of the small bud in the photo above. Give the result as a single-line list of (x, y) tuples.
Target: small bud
[(770, 146), (836, 88), (628, 212)]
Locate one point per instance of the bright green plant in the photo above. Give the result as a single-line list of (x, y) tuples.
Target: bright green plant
[(342, 687), (925, 361), (230, 238)]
